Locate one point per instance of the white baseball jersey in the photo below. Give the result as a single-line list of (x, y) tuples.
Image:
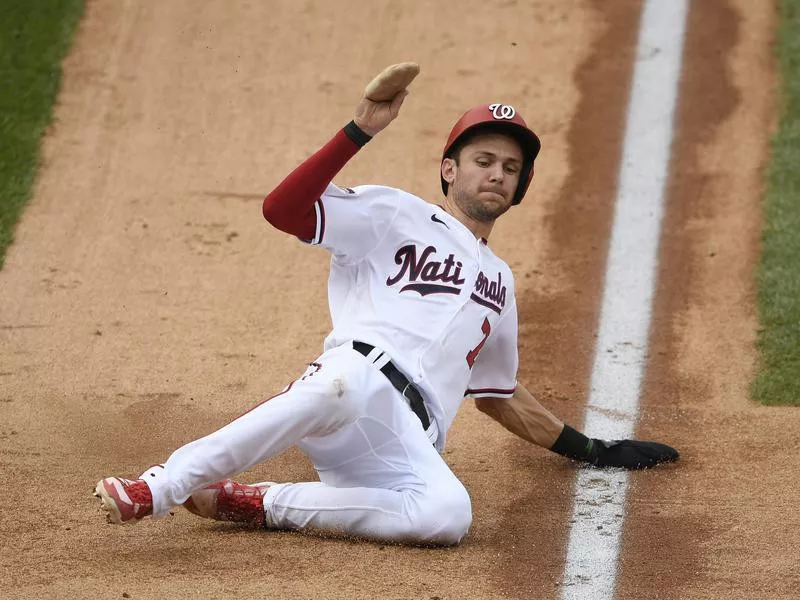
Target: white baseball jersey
[(412, 280)]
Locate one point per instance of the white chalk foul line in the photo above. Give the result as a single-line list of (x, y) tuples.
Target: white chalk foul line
[(599, 499)]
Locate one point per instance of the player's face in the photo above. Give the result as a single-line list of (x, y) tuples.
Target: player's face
[(486, 176)]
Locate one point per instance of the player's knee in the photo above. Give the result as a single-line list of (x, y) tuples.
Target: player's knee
[(445, 517), (456, 520)]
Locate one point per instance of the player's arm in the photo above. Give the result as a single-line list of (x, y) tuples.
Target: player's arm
[(522, 415), (290, 206), (525, 417)]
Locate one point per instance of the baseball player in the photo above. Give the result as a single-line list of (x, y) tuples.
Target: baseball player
[(424, 314)]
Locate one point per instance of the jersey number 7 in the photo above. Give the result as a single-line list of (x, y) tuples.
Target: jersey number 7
[(472, 355)]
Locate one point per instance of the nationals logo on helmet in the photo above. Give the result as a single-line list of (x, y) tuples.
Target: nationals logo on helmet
[(502, 111)]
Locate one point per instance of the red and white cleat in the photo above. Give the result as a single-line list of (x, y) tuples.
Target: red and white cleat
[(230, 501), (124, 500)]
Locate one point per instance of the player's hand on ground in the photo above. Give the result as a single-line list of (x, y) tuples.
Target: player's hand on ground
[(384, 95), (632, 454)]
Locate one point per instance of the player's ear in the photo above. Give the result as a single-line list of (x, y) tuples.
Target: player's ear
[(449, 170)]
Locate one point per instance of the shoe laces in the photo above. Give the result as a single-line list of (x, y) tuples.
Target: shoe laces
[(241, 503), (138, 491)]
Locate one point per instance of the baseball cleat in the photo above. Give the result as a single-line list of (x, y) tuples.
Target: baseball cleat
[(125, 501), (229, 500)]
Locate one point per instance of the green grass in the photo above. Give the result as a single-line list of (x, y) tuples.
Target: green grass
[(34, 37), (778, 381)]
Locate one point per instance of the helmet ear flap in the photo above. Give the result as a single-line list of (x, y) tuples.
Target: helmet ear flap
[(525, 179)]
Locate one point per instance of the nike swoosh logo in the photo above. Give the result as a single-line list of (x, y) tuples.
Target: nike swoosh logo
[(436, 219)]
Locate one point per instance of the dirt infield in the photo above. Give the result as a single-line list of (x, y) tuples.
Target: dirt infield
[(146, 302)]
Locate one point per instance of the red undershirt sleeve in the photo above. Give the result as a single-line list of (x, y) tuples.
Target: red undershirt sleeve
[(290, 206)]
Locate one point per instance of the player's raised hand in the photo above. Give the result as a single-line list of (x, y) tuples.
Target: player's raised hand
[(383, 97)]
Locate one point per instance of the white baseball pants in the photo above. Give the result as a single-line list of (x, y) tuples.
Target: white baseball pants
[(380, 476)]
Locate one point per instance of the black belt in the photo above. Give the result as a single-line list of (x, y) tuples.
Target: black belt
[(401, 384)]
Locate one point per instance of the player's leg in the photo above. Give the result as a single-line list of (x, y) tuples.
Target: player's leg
[(317, 404), (422, 501), (380, 478), (398, 489)]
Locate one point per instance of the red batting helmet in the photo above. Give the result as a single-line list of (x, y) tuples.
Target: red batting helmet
[(502, 118)]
